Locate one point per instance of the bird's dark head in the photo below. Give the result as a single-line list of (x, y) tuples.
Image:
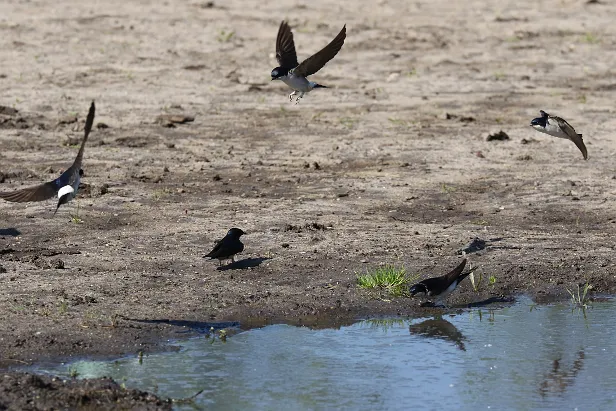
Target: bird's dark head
[(235, 232), (279, 72), (418, 288), (540, 122)]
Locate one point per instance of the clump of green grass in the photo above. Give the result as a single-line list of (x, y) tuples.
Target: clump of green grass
[(63, 307), (447, 188), (384, 324), (590, 38), (581, 299), (394, 280), (225, 36), (400, 122), (158, 195), (347, 122), (499, 75), (477, 279), (221, 335), (73, 372), (75, 218)]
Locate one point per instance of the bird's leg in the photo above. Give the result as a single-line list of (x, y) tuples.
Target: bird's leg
[(300, 96), (291, 95), (220, 263), (232, 259)]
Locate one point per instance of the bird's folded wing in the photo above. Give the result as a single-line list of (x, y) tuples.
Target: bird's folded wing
[(566, 127), (453, 274), (577, 140), (316, 62), (215, 250), (575, 137)]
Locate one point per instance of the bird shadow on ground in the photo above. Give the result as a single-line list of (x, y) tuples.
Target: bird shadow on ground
[(476, 304), (488, 301), (244, 264), (9, 232), (202, 327)]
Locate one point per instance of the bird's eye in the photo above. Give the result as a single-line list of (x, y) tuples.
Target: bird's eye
[(274, 73)]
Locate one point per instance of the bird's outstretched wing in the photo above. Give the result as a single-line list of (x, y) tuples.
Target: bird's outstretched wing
[(86, 133), (38, 193), (48, 190), (285, 47), (316, 62)]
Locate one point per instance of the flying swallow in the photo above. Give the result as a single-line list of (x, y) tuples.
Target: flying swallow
[(558, 127), (228, 246), (294, 74), (65, 186), (440, 287)]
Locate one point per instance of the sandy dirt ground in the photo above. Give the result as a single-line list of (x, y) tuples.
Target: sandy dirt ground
[(389, 165)]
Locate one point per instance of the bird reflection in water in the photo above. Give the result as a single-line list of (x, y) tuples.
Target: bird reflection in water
[(440, 329), (558, 380)]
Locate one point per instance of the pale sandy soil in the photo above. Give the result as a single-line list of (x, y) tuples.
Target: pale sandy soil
[(397, 181)]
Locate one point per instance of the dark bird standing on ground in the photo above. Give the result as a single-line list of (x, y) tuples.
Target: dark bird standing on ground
[(440, 287), (65, 186), (558, 127), (227, 247), (294, 74)]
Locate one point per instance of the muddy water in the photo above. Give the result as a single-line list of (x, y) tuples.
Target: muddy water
[(521, 357)]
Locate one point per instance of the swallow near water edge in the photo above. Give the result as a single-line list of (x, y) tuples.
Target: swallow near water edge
[(294, 74), (65, 186), (440, 287), (558, 127), (227, 247)]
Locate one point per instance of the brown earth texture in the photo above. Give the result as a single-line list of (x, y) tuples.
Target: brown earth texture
[(390, 165)]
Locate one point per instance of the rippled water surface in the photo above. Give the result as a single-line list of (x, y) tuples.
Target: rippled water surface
[(522, 357)]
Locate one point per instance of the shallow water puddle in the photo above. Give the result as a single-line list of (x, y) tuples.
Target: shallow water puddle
[(520, 357)]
